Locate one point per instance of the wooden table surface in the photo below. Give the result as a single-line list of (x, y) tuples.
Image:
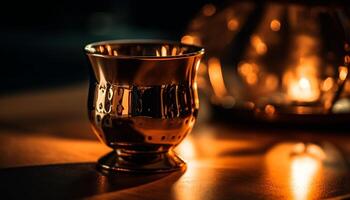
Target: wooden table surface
[(48, 152)]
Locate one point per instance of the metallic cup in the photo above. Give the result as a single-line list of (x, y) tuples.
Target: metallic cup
[(142, 101)]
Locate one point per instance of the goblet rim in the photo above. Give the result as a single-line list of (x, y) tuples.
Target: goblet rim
[(198, 50)]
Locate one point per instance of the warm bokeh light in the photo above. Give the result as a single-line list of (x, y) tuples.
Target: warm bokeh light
[(302, 82), (343, 72), (302, 79), (347, 86), (216, 77), (249, 71), (347, 46), (301, 90), (190, 39), (249, 105), (275, 25), (258, 44), (347, 57), (232, 24), (271, 82), (208, 10), (270, 110), (341, 106), (327, 84)]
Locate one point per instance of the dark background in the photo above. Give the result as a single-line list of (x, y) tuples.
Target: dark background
[(42, 41)]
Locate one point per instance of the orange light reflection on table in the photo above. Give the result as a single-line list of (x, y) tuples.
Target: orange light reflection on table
[(294, 169), (185, 189), (186, 148), (303, 170), (203, 155)]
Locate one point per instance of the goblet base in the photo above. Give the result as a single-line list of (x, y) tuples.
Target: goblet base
[(118, 161)]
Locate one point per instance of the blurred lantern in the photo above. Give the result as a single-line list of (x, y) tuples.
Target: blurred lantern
[(275, 58)]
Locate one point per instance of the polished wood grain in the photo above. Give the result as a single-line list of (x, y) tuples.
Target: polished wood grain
[(49, 156)]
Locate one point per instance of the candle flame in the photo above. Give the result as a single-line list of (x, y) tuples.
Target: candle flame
[(302, 82), (302, 90)]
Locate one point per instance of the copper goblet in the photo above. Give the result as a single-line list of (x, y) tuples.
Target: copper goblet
[(142, 101)]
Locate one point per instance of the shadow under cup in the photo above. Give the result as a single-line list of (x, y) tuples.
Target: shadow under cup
[(142, 101)]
